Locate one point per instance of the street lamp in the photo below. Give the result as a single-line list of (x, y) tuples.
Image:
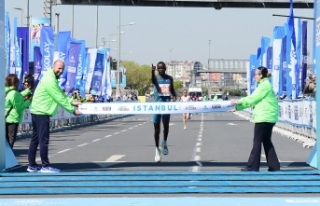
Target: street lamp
[(209, 52), (119, 48), (18, 8), (114, 35), (103, 42)]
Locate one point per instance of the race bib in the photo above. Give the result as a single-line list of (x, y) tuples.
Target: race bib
[(164, 90)]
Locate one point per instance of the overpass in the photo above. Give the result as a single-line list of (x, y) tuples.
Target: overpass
[(216, 4)]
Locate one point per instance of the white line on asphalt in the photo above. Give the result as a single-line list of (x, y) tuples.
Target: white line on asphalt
[(95, 140), (199, 139), (81, 145), (116, 133), (199, 163), (131, 128), (124, 130), (198, 144), (195, 169), (198, 149), (197, 158), (108, 136), (200, 135), (64, 150)]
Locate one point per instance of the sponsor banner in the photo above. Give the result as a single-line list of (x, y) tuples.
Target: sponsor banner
[(47, 49), (35, 33), (155, 107)]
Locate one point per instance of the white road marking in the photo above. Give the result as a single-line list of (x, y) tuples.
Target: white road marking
[(195, 169), (197, 158), (95, 140), (124, 130), (116, 133), (198, 149), (81, 145), (64, 150), (108, 136), (110, 161), (198, 144), (231, 124)]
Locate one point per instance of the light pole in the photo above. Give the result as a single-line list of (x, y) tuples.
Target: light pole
[(28, 17), (209, 52), (119, 48), (97, 26), (114, 35), (72, 26), (18, 8), (57, 23)]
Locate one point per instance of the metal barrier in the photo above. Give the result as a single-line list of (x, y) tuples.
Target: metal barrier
[(62, 121)]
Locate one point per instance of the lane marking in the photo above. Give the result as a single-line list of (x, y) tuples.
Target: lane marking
[(81, 145), (95, 140), (108, 136), (110, 161), (198, 149), (64, 150)]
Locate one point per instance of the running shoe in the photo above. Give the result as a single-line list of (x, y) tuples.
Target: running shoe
[(157, 158), (49, 170), (164, 148)]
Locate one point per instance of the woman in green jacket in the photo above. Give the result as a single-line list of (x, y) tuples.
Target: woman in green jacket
[(265, 115), (15, 104)]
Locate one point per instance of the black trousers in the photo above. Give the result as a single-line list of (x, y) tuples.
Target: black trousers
[(11, 133), (262, 134), (40, 135)]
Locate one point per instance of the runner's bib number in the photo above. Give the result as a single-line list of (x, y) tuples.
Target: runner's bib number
[(164, 90)]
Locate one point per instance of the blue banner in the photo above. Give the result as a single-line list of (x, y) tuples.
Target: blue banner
[(259, 58), (315, 35), (265, 43), (270, 61), (85, 73), (298, 69), (304, 54), (104, 75), (252, 65), (37, 64), (63, 44), (123, 77), (36, 26), (278, 34), (23, 33), (81, 64), (74, 53), (283, 68), (113, 78), (8, 41), (46, 48), (97, 74), (17, 59)]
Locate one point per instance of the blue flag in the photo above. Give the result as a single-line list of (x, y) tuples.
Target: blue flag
[(63, 44), (7, 54), (46, 48)]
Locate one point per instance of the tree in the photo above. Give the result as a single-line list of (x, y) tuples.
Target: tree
[(177, 85)]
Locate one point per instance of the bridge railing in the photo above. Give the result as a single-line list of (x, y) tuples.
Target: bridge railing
[(296, 116)]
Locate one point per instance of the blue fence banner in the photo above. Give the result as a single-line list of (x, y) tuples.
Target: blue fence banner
[(304, 60), (8, 41), (85, 73), (63, 44), (97, 74), (37, 64), (74, 53), (46, 48)]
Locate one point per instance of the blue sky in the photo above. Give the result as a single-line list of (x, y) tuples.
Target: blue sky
[(234, 33)]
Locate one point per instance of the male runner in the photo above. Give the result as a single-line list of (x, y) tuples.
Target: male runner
[(185, 98), (163, 90)]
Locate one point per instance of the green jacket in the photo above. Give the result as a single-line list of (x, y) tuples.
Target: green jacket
[(15, 99), (48, 95), (264, 102)]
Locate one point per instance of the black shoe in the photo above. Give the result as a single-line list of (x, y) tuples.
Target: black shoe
[(270, 170)]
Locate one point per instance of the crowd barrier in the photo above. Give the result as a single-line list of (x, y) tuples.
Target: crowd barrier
[(297, 116), (63, 120)]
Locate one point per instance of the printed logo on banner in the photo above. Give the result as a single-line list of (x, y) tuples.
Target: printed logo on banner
[(205, 107), (123, 108), (83, 108), (190, 107), (296, 115), (95, 109), (106, 108), (216, 106)]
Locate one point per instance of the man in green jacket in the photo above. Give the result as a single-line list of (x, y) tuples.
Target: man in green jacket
[(47, 96), (265, 115)]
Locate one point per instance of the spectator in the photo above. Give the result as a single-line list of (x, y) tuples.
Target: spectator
[(47, 97), (310, 88), (15, 104)]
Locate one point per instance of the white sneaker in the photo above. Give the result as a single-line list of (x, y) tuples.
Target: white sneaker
[(164, 148), (157, 158)]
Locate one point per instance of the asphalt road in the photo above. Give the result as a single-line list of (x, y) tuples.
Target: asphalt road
[(211, 142)]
